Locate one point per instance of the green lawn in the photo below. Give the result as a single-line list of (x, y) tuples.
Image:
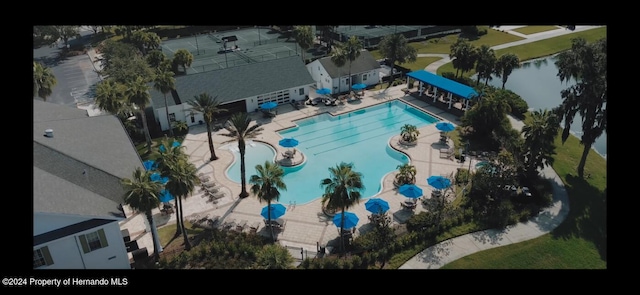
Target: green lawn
[(540, 48), (528, 30), (580, 242)]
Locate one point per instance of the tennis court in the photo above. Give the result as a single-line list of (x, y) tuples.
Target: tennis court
[(242, 47), (371, 35)]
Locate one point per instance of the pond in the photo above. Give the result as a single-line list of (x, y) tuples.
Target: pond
[(536, 81)]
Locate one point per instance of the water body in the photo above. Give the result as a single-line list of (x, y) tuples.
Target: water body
[(536, 81)]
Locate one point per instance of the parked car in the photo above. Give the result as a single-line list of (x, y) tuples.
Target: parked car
[(526, 192)]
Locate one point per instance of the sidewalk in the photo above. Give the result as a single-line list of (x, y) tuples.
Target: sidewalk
[(548, 219)]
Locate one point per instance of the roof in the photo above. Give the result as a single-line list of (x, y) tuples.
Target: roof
[(78, 170), (454, 87), (239, 82), (364, 63)]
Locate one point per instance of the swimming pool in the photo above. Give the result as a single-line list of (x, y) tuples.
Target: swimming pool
[(360, 137)]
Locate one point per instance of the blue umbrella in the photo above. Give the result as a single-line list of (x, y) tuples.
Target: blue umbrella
[(165, 196), (277, 210), (445, 126), (174, 144), (376, 206), (288, 142), (323, 91), (359, 86), (269, 105), (410, 191), (157, 178), (350, 220), (439, 182), (149, 164)]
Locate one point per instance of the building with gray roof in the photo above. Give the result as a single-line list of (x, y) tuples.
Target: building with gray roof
[(78, 163)]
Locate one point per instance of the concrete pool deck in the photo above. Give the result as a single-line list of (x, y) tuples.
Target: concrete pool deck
[(306, 224)]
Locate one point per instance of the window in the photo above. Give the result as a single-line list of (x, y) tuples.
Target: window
[(172, 117), (301, 91), (42, 257), (193, 118), (93, 241), (364, 77)]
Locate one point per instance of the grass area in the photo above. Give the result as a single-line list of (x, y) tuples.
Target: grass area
[(540, 48), (580, 242), (528, 30), (167, 233), (443, 45)]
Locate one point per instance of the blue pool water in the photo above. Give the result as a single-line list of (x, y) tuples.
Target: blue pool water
[(360, 137)]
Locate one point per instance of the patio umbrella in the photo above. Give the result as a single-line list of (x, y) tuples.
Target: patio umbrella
[(359, 86), (165, 196), (410, 191), (149, 164), (445, 126), (174, 144), (269, 105), (350, 220), (288, 142), (323, 91), (376, 205), (439, 182), (157, 178), (277, 210)]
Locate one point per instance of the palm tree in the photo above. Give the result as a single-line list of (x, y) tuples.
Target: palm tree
[(587, 64), (539, 135), (137, 93), (395, 48), (142, 194), (182, 58), (304, 37), (463, 55), (342, 189), (406, 174), (273, 256), (110, 97), (505, 65), (170, 157), (409, 133), (208, 106), (240, 130), (326, 33), (346, 53), (182, 182), (43, 81), (266, 185), (485, 65), (164, 82)]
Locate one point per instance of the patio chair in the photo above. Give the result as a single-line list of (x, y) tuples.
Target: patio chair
[(241, 225), (253, 228)]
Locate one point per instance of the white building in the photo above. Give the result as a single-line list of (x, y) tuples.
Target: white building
[(365, 69), (78, 163), (238, 89)]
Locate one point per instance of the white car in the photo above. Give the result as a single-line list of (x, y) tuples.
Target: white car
[(526, 192)]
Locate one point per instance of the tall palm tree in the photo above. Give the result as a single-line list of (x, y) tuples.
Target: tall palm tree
[(266, 185), (395, 48), (142, 194), (587, 65), (505, 65), (43, 81), (463, 55), (110, 97), (164, 82), (342, 189), (209, 107), (304, 37), (168, 158), (137, 94), (182, 182), (347, 52), (539, 135), (183, 58), (240, 129), (485, 65)]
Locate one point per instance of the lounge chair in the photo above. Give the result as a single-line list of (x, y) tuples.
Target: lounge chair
[(241, 225)]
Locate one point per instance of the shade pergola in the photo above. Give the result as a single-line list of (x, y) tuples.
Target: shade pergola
[(439, 82)]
